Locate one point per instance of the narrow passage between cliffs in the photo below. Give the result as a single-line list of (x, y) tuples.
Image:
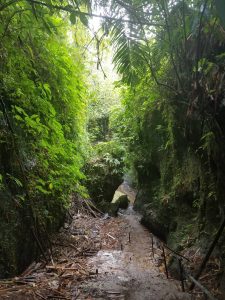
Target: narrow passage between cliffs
[(98, 258)]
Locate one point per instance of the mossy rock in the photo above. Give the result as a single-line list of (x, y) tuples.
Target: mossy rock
[(110, 208), (151, 220), (113, 207), (123, 202)]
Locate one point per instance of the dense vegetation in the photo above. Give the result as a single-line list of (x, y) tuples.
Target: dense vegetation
[(42, 94), (105, 166), (177, 137), (170, 56)]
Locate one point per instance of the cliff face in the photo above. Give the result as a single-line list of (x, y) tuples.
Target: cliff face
[(179, 178), (180, 182), (178, 149)]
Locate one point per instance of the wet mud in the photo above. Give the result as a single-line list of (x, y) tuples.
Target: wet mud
[(128, 271)]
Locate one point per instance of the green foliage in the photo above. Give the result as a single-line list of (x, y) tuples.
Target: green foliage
[(220, 7), (123, 202), (46, 113), (171, 121), (127, 56), (173, 113), (104, 171), (43, 118), (104, 95)]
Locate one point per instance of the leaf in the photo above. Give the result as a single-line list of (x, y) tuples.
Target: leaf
[(68, 7), (21, 198), (41, 181), (42, 190), (18, 118), (16, 180), (31, 52), (128, 56), (220, 7), (83, 19), (47, 25), (73, 18), (20, 110)]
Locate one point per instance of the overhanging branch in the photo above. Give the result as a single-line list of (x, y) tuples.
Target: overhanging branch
[(70, 9), (4, 6)]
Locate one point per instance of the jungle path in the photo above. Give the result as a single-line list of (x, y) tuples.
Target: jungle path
[(97, 258), (128, 270)]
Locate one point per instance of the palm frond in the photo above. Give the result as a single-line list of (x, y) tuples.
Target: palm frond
[(128, 57)]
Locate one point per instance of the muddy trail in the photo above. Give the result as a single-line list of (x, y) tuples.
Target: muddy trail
[(98, 258), (130, 272)]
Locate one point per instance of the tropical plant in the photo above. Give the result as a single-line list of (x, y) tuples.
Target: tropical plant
[(43, 118)]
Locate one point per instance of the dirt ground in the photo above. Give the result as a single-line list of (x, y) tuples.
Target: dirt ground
[(98, 258), (128, 271)]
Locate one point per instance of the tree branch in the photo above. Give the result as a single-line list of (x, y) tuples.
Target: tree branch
[(70, 9), (8, 4)]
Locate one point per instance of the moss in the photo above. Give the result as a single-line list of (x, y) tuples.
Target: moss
[(104, 171), (123, 202), (177, 191), (113, 207)]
